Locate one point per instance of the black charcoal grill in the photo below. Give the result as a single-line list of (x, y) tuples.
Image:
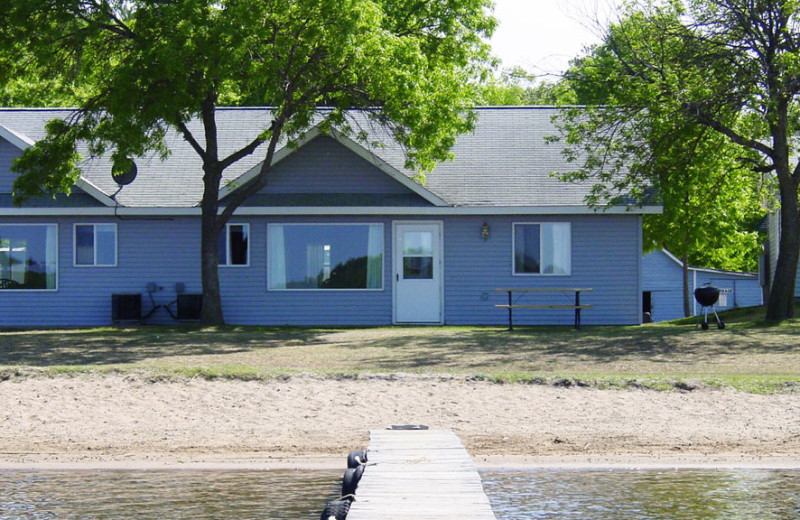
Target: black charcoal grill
[(707, 296)]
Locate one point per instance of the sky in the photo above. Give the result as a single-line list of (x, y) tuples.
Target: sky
[(543, 35)]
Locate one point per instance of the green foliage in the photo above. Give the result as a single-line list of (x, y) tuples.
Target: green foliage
[(142, 67), (137, 69), (637, 142), (519, 87)]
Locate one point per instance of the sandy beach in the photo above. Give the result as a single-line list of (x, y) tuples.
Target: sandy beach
[(116, 421)]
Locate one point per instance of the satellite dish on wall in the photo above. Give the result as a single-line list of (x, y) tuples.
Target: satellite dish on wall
[(124, 171)]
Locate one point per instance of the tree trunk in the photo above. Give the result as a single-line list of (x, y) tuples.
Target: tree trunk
[(687, 308), (781, 294), (211, 313)]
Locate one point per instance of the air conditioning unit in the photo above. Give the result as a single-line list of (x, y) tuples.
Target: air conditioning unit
[(126, 307), (189, 306)]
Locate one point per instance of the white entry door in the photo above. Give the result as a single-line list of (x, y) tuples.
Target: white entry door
[(418, 272)]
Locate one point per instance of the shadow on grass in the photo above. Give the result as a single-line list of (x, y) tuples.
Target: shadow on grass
[(113, 346), (410, 348), (540, 347)]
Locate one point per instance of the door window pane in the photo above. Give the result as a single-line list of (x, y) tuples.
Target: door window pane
[(418, 243), (418, 267)]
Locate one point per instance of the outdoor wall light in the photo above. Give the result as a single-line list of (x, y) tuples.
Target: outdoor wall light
[(485, 231)]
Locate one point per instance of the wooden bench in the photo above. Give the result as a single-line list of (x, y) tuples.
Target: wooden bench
[(577, 306)]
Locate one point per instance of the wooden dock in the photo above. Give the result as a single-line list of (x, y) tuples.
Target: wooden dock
[(419, 474)]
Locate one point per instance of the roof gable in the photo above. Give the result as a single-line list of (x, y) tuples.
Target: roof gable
[(23, 142), (334, 164), (676, 261)]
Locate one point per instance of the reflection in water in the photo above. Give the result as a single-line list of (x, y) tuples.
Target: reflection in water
[(199, 495), (639, 495), (295, 495)]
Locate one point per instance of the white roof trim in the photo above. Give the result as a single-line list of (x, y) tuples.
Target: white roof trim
[(330, 211), (706, 270), (95, 192), (388, 169), (24, 142), (280, 155), (19, 140), (351, 145)]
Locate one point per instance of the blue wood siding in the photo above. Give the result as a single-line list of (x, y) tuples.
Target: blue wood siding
[(741, 291), (605, 257), (159, 251), (663, 277), (8, 152), (325, 166)]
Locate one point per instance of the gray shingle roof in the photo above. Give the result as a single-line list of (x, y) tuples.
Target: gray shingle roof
[(504, 162)]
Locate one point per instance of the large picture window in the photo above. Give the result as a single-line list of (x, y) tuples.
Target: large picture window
[(28, 256), (325, 256), (96, 245), (234, 245), (544, 248)]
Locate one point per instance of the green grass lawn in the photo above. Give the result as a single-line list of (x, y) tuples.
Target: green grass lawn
[(748, 354)]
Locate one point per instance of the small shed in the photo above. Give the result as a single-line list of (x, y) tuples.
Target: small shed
[(662, 285)]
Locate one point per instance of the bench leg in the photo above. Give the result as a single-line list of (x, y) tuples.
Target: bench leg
[(510, 315), (577, 310)]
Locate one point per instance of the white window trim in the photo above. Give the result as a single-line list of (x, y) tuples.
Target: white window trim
[(541, 243), (94, 225), (246, 225), (55, 289), (383, 256)]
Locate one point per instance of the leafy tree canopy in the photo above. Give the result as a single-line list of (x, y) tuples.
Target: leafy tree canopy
[(142, 67), (517, 86), (698, 98)]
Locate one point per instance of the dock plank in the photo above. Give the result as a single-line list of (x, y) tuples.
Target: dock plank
[(419, 474)]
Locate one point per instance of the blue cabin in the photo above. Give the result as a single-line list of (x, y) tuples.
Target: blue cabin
[(341, 235), (663, 287)]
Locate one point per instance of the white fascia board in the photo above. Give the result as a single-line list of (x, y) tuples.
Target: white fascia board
[(710, 271), (95, 192), (316, 210), (673, 257), (723, 273), (120, 211), (279, 156), (438, 210), (351, 145), (19, 140), (388, 169), (24, 142)]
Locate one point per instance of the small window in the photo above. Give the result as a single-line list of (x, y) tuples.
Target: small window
[(234, 245), (96, 245), (544, 248)]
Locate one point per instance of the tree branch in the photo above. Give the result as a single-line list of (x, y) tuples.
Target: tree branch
[(242, 153), (704, 119), (189, 137)]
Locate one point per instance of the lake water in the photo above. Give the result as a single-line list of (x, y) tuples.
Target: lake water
[(517, 495)]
